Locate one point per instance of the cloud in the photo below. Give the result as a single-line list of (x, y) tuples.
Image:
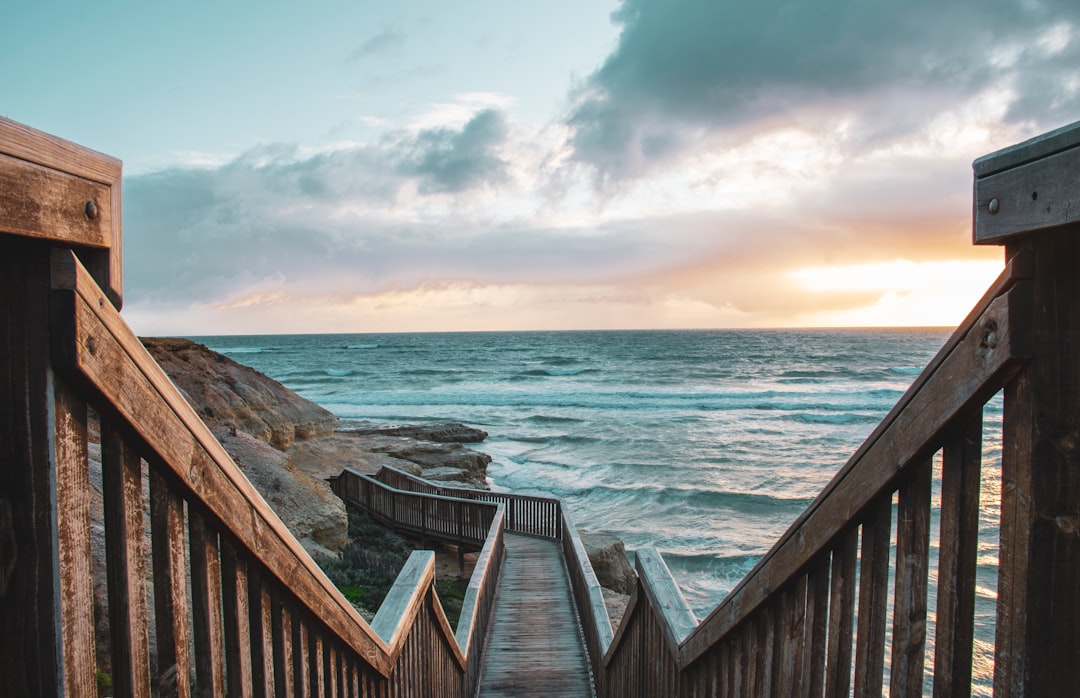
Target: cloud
[(448, 161), (687, 74), (386, 40)]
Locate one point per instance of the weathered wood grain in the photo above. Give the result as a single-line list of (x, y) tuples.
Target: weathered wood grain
[(958, 549), (132, 383), (912, 567), (1035, 197), (172, 610), (535, 646), (841, 614), (73, 538), (873, 599), (206, 606), (1039, 564), (965, 374), (122, 493), (63, 217)]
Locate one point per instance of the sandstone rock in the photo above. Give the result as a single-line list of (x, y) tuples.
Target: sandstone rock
[(437, 460), (237, 396), (440, 432), (312, 513), (607, 554), (616, 604), (256, 418)]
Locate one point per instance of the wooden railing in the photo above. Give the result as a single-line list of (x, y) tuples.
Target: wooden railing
[(222, 600), (811, 618), (463, 522), (259, 617), (534, 516)]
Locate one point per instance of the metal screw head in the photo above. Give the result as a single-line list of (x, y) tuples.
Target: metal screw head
[(91, 210), (994, 206)]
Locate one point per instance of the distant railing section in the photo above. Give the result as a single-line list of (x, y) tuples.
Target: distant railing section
[(534, 516), (450, 519)]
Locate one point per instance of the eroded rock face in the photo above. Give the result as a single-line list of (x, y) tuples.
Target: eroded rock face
[(256, 419), (440, 432), (236, 396), (608, 557)]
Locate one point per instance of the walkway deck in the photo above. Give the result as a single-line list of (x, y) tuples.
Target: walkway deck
[(534, 646)]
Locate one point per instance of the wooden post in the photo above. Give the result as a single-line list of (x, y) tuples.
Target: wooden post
[(52, 192), (47, 637), (1028, 198)]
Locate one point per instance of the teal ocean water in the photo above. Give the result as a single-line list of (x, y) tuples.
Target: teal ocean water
[(703, 444)]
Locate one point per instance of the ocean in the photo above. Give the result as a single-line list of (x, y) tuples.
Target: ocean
[(703, 444)]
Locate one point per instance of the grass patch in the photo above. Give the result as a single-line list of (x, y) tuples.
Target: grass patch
[(369, 563), (451, 596)]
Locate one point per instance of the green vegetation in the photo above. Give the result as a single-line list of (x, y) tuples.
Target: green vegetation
[(369, 564), (104, 682), (451, 596)]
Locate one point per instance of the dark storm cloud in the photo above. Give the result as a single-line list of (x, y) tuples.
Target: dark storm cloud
[(685, 69)]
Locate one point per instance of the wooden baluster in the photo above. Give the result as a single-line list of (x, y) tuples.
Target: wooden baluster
[(841, 614), (912, 566), (206, 606), (172, 611), (258, 625), (873, 600), (236, 615), (281, 636), (817, 609), (76, 599), (128, 632), (957, 556)]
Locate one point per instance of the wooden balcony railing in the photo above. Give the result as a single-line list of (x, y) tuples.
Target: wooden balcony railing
[(222, 600)]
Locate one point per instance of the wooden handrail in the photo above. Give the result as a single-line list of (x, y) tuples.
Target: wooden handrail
[(534, 516), (463, 522), (245, 564)]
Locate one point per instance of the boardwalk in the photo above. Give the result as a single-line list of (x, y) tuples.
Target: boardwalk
[(534, 647)]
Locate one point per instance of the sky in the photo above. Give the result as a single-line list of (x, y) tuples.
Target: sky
[(568, 164)]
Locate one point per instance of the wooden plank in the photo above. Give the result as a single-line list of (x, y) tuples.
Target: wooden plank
[(281, 636), (172, 611), (534, 646), (873, 599), (128, 633), (73, 540), (817, 619), (984, 356), (68, 160), (121, 369), (46, 606), (1035, 197), (912, 567), (236, 616), (1039, 566), (667, 601), (42, 203), (23, 142), (1037, 148), (957, 556), (262, 670), (206, 606), (841, 614)]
